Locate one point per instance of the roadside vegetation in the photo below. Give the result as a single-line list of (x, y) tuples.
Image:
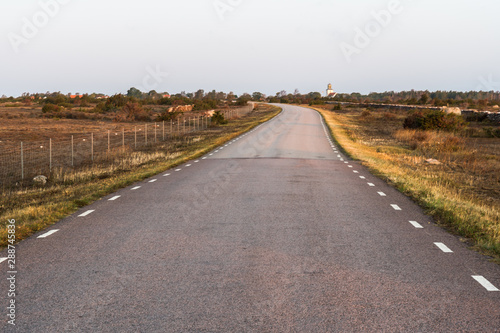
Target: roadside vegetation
[(36, 207), (449, 166)]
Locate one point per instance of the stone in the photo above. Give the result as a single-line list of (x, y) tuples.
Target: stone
[(41, 180), (432, 161)]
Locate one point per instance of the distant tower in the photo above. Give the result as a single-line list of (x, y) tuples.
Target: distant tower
[(329, 92)]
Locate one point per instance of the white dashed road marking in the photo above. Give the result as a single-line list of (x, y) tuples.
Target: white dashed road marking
[(86, 213), (114, 198), (135, 188), (443, 248), (396, 207), (416, 224), (485, 283), (47, 234)]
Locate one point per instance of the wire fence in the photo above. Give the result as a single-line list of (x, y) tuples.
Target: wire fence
[(23, 161)]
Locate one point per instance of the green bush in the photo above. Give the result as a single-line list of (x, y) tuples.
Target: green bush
[(50, 108), (434, 120), (218, 118), (317, 102)]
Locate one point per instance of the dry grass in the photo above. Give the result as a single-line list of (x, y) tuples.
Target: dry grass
[(462, 193), (35, 208)]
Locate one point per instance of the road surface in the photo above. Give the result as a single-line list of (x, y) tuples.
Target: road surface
[(276, 231)]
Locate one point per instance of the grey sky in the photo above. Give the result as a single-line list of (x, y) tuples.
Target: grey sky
[(248, 45)]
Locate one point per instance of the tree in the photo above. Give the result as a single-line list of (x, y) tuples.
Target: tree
[(424, 99), (199, 94), (257, 96), (134, 92)]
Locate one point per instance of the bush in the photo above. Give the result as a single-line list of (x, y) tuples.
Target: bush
[(366, 113), (50, 108), (167, 116), (132, 112), (317, 102), (433, 120), (204, 105), (218, 118)]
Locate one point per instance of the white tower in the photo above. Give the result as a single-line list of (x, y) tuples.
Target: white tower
[(329, 91)]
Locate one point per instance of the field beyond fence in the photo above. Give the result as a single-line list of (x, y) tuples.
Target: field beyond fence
[(21, 161)]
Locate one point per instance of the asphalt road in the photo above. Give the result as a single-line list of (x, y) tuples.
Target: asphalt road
[(276, 231)]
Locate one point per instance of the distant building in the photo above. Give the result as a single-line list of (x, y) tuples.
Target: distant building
[(329, 91)]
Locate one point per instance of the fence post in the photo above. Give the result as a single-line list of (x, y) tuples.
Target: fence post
[(50, 155), (92, 146), (22, 162), (72, 152)]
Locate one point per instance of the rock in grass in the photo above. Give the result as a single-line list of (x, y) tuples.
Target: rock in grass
[(432, 161), (40, 180)]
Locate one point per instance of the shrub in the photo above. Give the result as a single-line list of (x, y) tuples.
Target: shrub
[(167, 116), (433, 120), (365, 113), (132, 112), (317, 102), (50, 108), (218, 118)]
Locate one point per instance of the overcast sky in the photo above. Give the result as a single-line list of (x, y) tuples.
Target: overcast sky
[(362, 46)]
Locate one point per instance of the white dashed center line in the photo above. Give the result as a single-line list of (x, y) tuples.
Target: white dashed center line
[(152, 180), (416, 224), (485, 283), (382, 194), (47, 234), (3, 259), (86, 213), (396, 207), (114, 198), (135, 188), (443, 248)]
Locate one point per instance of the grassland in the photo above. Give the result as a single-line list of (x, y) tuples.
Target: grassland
[(35, 208), (461, 191)]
